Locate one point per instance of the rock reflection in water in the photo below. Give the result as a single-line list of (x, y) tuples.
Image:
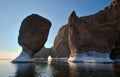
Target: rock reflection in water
[(67, 69), (43, 70), (116, 69), (25, 70), (91, 70), (73, 69)]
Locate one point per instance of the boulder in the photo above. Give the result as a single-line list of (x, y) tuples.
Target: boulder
[(33, 34)]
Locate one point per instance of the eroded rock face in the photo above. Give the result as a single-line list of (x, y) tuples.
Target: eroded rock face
[(60, 47), (97, 32), (33, 34), (84, 36)]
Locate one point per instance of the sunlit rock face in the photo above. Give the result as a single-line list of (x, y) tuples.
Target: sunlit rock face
[(60, 47), (84, 36), (97, 32), (33, 33)]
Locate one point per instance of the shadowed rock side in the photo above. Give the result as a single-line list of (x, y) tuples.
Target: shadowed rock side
[(60, 47), (115, 54), (43, 53), (33, 34)]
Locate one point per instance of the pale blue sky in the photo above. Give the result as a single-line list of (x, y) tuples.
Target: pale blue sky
[(12, 12)]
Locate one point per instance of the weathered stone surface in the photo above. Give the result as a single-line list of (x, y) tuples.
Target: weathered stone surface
[(43, 53), (84, 36), (60, 47), (33, 33), (97, 32)]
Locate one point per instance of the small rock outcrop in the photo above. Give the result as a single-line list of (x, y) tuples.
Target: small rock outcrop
[(33, 34), (43, 53), (60, 47), (115, 53)]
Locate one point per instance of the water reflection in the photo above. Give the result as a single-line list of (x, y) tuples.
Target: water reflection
[(116, 69), (93, 70), (73, 69), (43, 70), (59, 69), (7, 69), (70, 69), (25, 70)]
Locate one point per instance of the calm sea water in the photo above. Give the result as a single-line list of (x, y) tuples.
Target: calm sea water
[(58, 69)]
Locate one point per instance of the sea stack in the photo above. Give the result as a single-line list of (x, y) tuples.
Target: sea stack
[(33, 34)]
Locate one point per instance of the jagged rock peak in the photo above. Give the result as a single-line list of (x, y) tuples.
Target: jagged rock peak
[(73, 14), (72, 17)]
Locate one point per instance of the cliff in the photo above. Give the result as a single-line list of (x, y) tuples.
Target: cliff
[(98, 32)]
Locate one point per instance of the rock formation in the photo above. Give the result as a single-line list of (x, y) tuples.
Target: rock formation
[(84, 36), (60, 47), (33, 34), (115, 54), (97, 32)]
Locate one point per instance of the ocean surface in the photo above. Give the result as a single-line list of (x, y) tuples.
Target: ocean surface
[(58, 69)]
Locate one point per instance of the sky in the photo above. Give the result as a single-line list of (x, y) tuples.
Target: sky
[(12, 12)]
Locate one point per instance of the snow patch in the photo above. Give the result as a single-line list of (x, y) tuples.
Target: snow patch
[(23, 57), (86, 57), (93, 56)]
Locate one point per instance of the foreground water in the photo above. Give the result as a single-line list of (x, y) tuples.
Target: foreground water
[(58, 69)]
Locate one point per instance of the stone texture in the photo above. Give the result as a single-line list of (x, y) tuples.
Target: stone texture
[(60, 47), (33, 33), (85, 36)]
